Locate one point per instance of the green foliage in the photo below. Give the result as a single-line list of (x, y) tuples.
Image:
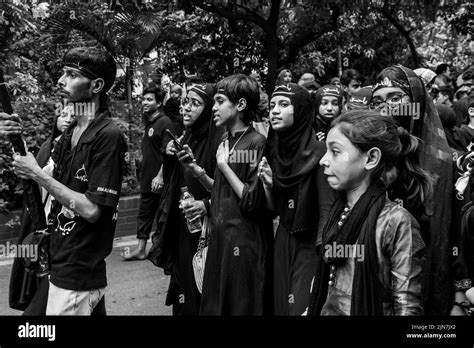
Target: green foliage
[(37, 118), (211, 39), (443, 40), (211, 47), (129, 121)]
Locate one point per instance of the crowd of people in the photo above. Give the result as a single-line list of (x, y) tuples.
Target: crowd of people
[(320, 199)]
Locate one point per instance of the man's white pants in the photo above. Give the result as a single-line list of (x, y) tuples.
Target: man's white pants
[(71, 302)]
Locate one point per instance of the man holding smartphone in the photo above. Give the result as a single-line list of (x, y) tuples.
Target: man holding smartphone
[(153, 142), (86, 184)]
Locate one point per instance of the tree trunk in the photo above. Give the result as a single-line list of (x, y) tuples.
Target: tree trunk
[(272, 45), (339, 61), (414, 53), (273, 54), (405, 33), (128, 83)]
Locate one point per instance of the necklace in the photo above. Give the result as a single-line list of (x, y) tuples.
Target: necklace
[(233, 147), (344, 215), (343, 218)]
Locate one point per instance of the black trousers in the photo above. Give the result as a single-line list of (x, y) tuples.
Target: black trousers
[(148, 206)]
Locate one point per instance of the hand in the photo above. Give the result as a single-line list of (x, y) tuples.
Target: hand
[(9, 124), (320, 136), (186, 156), (25, 167), (195, 209), (457, 311), (157, 184), (170, 148), (222, 154), (265, 174)]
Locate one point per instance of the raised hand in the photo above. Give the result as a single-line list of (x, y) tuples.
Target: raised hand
[(222, 155), (265, 174)]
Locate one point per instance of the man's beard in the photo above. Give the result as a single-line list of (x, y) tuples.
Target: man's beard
[(83, 96)]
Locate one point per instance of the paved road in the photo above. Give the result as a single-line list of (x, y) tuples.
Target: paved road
[(135, 288)]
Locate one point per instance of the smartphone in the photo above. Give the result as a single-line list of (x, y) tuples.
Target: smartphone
[(176, 143)]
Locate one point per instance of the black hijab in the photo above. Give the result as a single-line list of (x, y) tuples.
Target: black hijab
[(435, 157), (294, 156), (203, 136), (321, 123)]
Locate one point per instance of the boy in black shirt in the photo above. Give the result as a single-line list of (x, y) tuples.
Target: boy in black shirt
[(85, 185), (151, 183)]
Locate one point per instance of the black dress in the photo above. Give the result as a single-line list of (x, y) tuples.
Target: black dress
[(295, 253), (173, 245), (235, 277), (183, 294)]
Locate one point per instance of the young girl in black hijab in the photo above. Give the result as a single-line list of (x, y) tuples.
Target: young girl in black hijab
[(297, 191), (173, 245), (328, 107), (401, 94)]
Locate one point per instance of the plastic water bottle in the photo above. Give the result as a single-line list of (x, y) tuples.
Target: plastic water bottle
[(186, 196)]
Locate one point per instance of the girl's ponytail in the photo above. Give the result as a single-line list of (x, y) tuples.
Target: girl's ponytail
[(413, 184), (399, 168)]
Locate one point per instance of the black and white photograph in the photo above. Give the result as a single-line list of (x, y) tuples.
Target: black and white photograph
[(265, 172)]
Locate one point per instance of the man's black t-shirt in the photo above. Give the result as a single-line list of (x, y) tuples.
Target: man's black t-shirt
[(94, 167), (153, 146)]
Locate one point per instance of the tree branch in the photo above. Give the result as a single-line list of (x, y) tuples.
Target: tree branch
[(247, 10), (274, 13), (296, 45), (223, 12), (405, 33)]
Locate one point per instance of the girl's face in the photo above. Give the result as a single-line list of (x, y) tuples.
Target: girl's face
[(193, 105), (287, 77), (344, 164), (281, 113), (329, 107), (63, 121), (224, 110), (389, 97)]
